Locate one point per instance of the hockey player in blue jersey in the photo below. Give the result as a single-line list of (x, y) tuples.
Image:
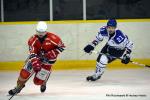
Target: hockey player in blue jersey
[(118, 45)]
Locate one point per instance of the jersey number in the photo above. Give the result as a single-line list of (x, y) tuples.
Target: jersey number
[(119, 39)]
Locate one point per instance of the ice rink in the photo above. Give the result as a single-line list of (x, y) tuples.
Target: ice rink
[(71, 85)]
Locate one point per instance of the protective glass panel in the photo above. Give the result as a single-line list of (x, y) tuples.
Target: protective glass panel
[(104, 9), (0, 10), (67, 9), (26, 10)]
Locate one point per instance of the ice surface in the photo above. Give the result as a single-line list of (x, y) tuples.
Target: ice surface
[(71, 85)]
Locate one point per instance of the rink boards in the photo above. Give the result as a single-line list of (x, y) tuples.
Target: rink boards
[(14, 49), (75, 64)]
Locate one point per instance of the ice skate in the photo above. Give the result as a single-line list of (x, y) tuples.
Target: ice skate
[(16, 90), (43, 88), (93, 78)]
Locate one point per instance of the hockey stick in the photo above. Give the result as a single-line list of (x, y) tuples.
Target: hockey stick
[(135, 63), (20, 87)]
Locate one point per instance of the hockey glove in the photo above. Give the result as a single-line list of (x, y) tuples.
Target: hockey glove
[(126, 59), (36, 64), (60, 49), (88, 48)]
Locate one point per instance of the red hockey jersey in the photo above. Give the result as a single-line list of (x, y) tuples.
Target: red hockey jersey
[(50, 43)]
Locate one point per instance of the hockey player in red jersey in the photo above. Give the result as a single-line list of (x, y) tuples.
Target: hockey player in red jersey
[(44, 48)]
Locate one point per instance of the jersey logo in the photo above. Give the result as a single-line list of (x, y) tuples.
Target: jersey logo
[(47, 43)]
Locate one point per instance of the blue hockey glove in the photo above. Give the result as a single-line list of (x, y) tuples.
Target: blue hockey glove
[(88, 48)]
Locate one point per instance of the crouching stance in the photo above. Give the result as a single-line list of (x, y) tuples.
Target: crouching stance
[(44, 48), (118, 45)]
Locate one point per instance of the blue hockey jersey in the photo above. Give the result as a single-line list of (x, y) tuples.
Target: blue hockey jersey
[(119, 40)]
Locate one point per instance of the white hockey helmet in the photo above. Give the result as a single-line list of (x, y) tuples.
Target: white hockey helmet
[(41, 27)]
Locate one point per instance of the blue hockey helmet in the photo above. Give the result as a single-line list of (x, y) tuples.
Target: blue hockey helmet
[(112, 22)]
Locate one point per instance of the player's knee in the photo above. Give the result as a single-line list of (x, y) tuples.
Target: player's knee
[(102, 59), (98, 58), (41, 76), (38, 81), (24, 74)]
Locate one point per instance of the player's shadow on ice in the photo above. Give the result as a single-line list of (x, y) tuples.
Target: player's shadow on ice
[(39, 94), (116, 82), (103, 82)]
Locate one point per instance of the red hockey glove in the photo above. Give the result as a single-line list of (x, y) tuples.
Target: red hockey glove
[(36, 64)]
